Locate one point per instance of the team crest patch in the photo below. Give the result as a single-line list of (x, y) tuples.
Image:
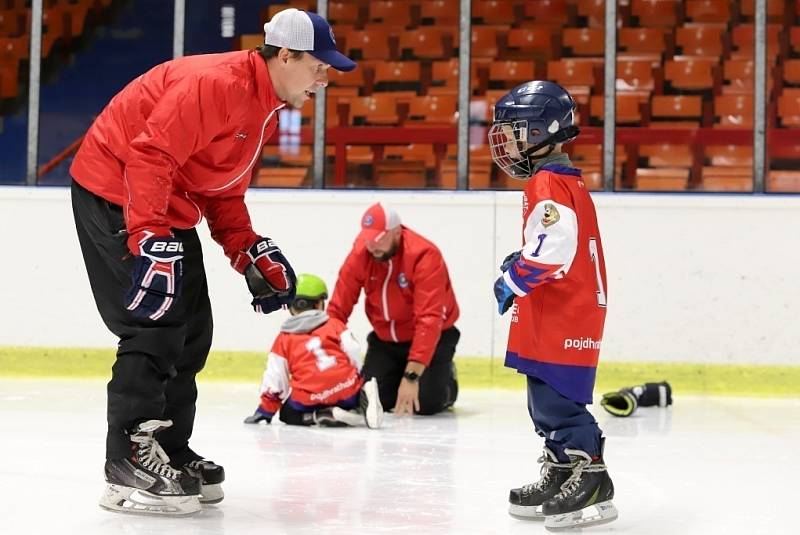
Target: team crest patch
[(368, 220), (551, 215), (402, 281)]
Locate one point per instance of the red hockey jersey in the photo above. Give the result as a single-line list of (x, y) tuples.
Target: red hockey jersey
[(560, 284), (314, 360)]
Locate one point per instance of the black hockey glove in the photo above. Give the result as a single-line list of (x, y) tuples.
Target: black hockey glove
[(156, 277)]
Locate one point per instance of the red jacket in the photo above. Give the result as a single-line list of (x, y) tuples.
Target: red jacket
[(179, 142), (408, 298)]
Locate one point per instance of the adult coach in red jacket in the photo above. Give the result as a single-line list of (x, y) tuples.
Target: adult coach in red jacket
[(412, 308), (174, 146)]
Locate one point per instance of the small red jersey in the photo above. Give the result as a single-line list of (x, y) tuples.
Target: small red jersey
[(315, 360), (560, 283)]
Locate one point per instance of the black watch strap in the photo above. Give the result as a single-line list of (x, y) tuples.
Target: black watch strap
[(411, 376)]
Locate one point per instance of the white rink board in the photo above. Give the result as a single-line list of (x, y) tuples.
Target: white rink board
[(692, 278)]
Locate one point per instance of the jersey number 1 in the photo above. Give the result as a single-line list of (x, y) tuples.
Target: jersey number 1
[(601, 291), (324, 361)]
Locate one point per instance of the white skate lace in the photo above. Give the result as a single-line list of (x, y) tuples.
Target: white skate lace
[(152, 456), (546, 471), (572, 482)]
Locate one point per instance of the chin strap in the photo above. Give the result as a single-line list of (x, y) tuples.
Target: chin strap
[(562, 136)]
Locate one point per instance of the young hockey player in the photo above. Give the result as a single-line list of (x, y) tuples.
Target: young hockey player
[(312, 373), (556, 287)]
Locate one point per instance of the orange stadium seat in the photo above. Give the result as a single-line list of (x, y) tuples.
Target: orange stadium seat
[(397, 12), (533, 41), (433, 109), (687, 110), (511, 73), (794, 39), (593, 11), (791, 72), (495, 12), (345, 13), (429, 42), (400, 174), (354, 78), (738, 75), (704, 39), (444, 77), (14, 22), (484, 41), (378, 109), (584, 41), (726, 179), (628, 107), (667, 155), (691, 72), (575, 74), (280, 177), (9, 80), (734, 111), (783, 181), (647, 40), (14, 49), (371, 43), (789, 107), (729, 155), (635, 76), (743, 38), (398, 74), (655, 12), (708, 10), (440, 12), (554, 12), (411, 153), (662, 179)]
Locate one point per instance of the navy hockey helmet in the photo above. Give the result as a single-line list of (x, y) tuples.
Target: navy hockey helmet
[(530, 117)]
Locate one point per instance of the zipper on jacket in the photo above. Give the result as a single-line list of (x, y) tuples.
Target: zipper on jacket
[(258, 151), (385, 299)]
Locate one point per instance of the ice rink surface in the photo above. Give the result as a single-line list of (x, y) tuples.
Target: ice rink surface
[(705, 466)]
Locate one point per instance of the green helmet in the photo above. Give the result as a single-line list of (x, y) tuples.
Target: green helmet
[(311, 287)]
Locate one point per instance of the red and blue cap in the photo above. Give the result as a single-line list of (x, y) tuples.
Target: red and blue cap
[(306, 31)]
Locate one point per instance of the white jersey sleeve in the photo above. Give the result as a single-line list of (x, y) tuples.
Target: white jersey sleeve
[(276, 377), (351, 348), (551, 240)]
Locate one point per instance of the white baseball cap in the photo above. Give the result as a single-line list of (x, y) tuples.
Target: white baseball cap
[(302, 30)]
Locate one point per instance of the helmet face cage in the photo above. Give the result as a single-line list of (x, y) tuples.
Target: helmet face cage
[(507, 142)]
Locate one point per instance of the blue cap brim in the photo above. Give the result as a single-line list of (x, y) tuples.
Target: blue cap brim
[(335, 59)]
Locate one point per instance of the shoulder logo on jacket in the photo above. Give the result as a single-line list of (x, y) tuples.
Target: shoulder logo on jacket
[(402, 281), (240, 135), (551, 215)]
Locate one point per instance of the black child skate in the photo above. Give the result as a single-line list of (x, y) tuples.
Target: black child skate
[(145, 483), (584, 498), (210, 474), (527, 500)]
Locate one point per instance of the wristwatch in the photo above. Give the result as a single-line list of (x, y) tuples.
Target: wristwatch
[(411, 376)]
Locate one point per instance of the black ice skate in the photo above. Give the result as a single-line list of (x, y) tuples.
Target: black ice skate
[(370, 404), (145, 483), (210, 474), (333, 417), (527, 500), (584, 498)]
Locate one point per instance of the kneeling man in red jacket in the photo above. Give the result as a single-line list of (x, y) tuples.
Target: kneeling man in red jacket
[(412, 308)]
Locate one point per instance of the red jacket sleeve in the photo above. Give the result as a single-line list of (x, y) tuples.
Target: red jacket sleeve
[(348, 286), (188, 116), (229, 222), (430, 282)]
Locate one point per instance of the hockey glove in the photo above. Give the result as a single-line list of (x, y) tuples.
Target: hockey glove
[(653, 394), (509, 261), (259, 416), (269, 277), (156, 277), (503, 294), (620, 403)]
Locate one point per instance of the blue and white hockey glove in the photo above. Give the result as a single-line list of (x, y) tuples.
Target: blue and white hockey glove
[(503, 294), (156, 277)]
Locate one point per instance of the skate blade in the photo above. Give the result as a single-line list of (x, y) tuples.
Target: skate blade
[(599, 513), (526, 512), (129, 500), (374, 413), (211, 494)]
